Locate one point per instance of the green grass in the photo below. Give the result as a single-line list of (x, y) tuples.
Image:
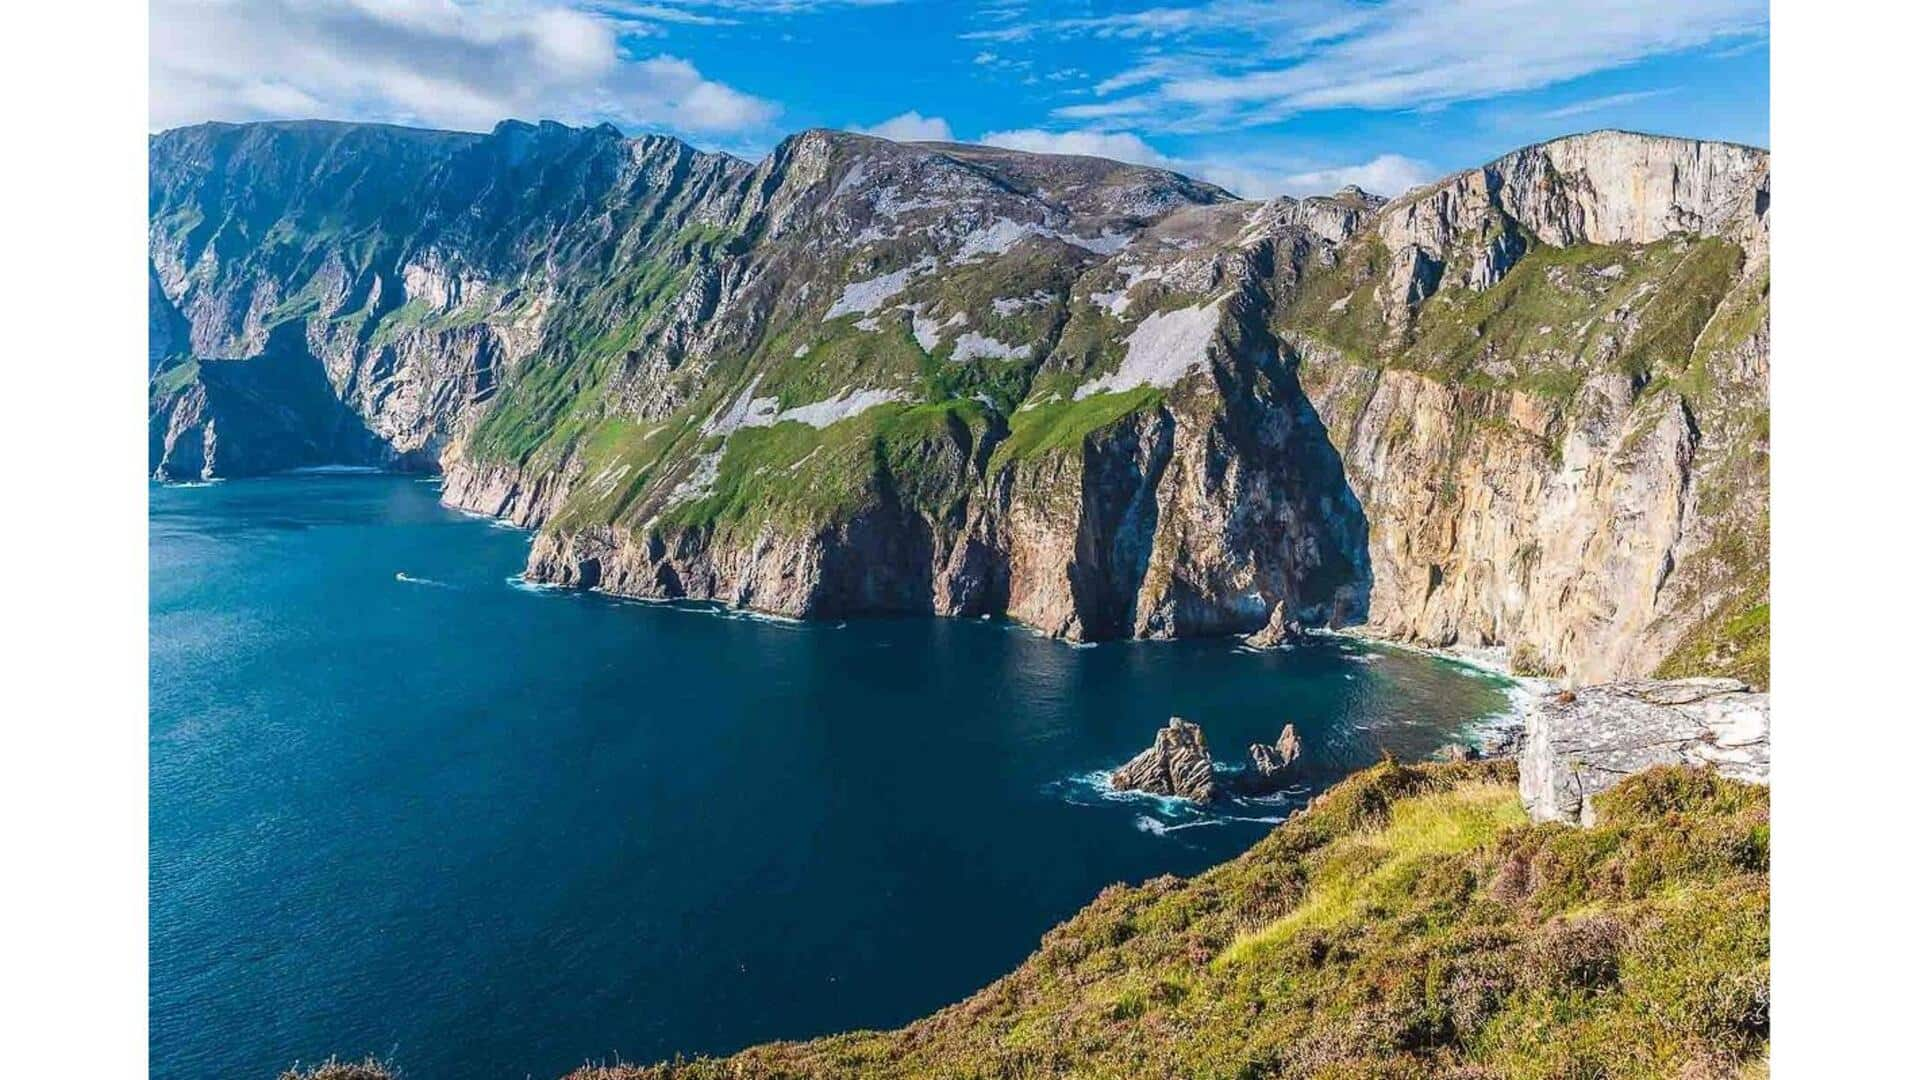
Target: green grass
[(1691, 287), (800, 479), (618, 458), (558, 397), (840, 355), (172, 380), (1380, 865), (416, 315), (1735, 642), (1409, 924), (1065, 424), (1542, 328)]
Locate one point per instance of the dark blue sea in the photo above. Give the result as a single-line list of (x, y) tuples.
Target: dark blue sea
[(404, 805)]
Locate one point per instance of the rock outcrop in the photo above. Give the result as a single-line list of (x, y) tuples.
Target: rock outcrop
[(1266, 764), (1524, 406), (1578, 744), (1176, 764), (1281, 629)]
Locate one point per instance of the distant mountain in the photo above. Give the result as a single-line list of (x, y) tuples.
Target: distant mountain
[(1525, 406)]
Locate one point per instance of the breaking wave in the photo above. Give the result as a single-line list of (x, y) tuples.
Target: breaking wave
[(1164, 815)]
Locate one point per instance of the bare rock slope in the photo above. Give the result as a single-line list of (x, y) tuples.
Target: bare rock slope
[(1578, 745)]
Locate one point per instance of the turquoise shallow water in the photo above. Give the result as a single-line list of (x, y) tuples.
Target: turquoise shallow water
[(401, 805)]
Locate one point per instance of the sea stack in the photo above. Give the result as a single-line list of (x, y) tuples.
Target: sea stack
[(1265, 763), (1280, 630), (1177, 764)]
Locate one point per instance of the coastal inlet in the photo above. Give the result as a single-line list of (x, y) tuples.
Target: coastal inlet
[(403, 807)]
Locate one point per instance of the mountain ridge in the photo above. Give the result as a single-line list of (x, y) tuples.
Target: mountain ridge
[(1102, 399)]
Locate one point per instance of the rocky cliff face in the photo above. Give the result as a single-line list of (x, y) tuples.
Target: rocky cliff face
[(1523, 406), (1547, 379)]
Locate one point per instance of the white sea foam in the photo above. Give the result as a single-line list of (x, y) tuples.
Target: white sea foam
[(750, 615), (492, 521), (1157, 827), (411, 580), (1166, 814)]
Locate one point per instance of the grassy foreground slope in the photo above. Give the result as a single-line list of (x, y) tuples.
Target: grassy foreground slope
[(1412, 923)]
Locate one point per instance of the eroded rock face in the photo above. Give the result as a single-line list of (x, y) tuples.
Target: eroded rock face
[(1177, 764), (1581, 743)]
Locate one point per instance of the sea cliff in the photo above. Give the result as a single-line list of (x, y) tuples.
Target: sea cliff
[(1524, 406)]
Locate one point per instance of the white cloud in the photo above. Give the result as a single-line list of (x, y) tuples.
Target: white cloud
[(1118, 145), (1591, 105), (442, 63), (1388, 174), (910, 126), (1249, 176), (1237, 63)]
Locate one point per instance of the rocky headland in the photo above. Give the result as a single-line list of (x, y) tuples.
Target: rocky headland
[(1523, 407)]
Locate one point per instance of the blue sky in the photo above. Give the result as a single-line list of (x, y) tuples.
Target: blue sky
[(1262, 98)]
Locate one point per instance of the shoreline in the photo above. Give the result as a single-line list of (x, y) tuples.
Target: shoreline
[(1493, 736), (1481, 733)]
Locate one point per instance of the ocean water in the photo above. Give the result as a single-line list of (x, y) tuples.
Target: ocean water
[(403, 805)]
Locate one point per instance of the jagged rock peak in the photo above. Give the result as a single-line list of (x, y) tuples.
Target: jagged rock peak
[(1176, 764)]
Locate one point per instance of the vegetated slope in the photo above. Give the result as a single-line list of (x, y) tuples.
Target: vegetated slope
[(1525, 406), (1411, 923)]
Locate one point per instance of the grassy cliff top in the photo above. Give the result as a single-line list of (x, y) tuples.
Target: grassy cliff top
[(1411, 923)]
